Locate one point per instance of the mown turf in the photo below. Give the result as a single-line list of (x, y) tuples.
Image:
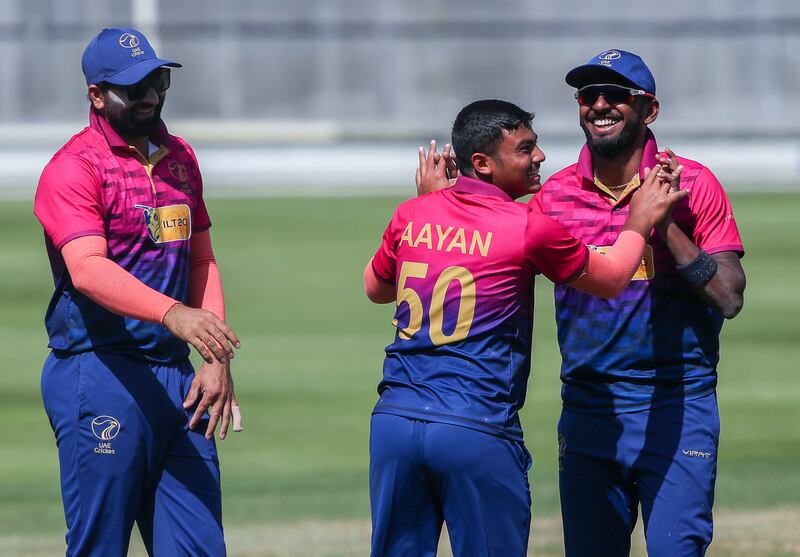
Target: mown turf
[(311, 357)]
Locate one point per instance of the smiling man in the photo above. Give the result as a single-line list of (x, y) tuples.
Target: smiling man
[(127, 234), (640, 424)]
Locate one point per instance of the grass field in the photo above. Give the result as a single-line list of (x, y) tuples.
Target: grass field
[(295, 482)]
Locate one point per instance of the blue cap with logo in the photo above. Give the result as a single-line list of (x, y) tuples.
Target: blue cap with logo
[(611, 66), (121, 56)]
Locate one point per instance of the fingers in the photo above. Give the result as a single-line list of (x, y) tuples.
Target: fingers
[(431, 150), (202, 349), (194, 392), (237, 416), (226, 418), (213, 419), (204, 405), (236, 413)]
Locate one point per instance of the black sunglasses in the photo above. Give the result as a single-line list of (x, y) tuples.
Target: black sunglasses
[(159, 80), (613, 94)]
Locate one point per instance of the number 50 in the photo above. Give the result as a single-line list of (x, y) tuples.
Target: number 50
[(466, 306)]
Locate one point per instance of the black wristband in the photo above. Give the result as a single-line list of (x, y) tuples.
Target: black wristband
[(699, 271)]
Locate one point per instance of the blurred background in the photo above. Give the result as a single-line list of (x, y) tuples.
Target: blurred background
[(305, 96), (305, 117)]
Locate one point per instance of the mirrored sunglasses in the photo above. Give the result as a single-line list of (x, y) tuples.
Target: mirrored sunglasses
[(613, 94), (159, 80)]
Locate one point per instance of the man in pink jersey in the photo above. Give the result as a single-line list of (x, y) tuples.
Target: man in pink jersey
[(127, 235), (446, 442)]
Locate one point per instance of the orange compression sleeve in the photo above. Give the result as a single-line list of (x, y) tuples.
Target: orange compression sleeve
[(608, 275), (205, 286), (108, 284)]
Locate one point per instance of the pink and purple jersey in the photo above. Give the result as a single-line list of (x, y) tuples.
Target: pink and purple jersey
[(464, 272), (146, 210), (657, 343)]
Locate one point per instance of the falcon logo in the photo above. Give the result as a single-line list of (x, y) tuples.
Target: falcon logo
[(562, 448), (609, 55), (105, 428), (151, 221), (128, 40), (178, 171)]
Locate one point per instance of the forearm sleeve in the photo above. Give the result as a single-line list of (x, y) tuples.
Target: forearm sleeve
[(607, 275), (205, 286), (110, 285)]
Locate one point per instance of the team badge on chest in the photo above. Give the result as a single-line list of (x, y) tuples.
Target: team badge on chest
[(167, 224)]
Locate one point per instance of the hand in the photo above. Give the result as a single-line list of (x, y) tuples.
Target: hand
[(654, 200), (213, 385), (436, 171), (670, 172), (209, 334), (670, 169)]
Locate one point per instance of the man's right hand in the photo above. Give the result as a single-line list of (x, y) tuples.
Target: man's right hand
[(436, 171), (209, 334), (652, 202)]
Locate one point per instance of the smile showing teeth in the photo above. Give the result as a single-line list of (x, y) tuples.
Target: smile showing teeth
[(605, 122)]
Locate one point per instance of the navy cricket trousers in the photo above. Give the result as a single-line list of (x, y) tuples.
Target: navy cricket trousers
[(126, 455)]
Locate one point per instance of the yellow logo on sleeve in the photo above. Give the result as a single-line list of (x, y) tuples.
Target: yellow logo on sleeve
[(646, 270), (167, 224)]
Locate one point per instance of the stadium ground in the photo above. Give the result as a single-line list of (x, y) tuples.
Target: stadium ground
[(295, 481)]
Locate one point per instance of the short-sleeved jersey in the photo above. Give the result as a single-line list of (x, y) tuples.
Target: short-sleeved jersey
[(657, 343), (462, 261), (98, 185)]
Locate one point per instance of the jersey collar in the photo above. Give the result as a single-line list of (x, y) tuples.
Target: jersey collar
[(586, 169), (465, 184)]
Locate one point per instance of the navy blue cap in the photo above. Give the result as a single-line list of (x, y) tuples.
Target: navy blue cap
[(121, 56), (612, 66)]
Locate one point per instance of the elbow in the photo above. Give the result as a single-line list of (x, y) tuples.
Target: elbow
[(80, 280), (732, 308), (378, 295)]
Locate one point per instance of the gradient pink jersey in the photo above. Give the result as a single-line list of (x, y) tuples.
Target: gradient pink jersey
[(657, 343), (98, 185), (463, 262)]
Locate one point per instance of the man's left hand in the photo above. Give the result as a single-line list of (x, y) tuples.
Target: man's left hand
[(212, 391)]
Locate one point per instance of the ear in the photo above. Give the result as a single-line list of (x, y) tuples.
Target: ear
[(652, 112), (96, 97), (482, 164)]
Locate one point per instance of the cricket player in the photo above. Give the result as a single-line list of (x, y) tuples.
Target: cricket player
[(127, 235), (446, 442), (640, 425)]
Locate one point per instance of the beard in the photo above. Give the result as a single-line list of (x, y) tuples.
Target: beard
[(126, 122), (610, 147)]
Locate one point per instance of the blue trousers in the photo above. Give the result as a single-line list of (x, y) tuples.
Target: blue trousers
[(423, 473), (663, 459), (126, 455)]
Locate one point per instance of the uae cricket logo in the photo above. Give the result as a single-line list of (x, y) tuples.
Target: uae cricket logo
[(105, 428)]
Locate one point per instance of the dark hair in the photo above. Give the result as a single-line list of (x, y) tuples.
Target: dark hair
[(479, 126)]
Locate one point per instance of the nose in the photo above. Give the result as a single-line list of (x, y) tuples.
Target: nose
[(600, 104), (151, 97), (537, 156)]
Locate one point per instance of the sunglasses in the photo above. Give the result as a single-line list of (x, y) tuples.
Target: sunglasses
[(159, 80), (613, 94)]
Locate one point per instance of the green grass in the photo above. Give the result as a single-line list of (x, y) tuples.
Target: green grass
[(311, 358)]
